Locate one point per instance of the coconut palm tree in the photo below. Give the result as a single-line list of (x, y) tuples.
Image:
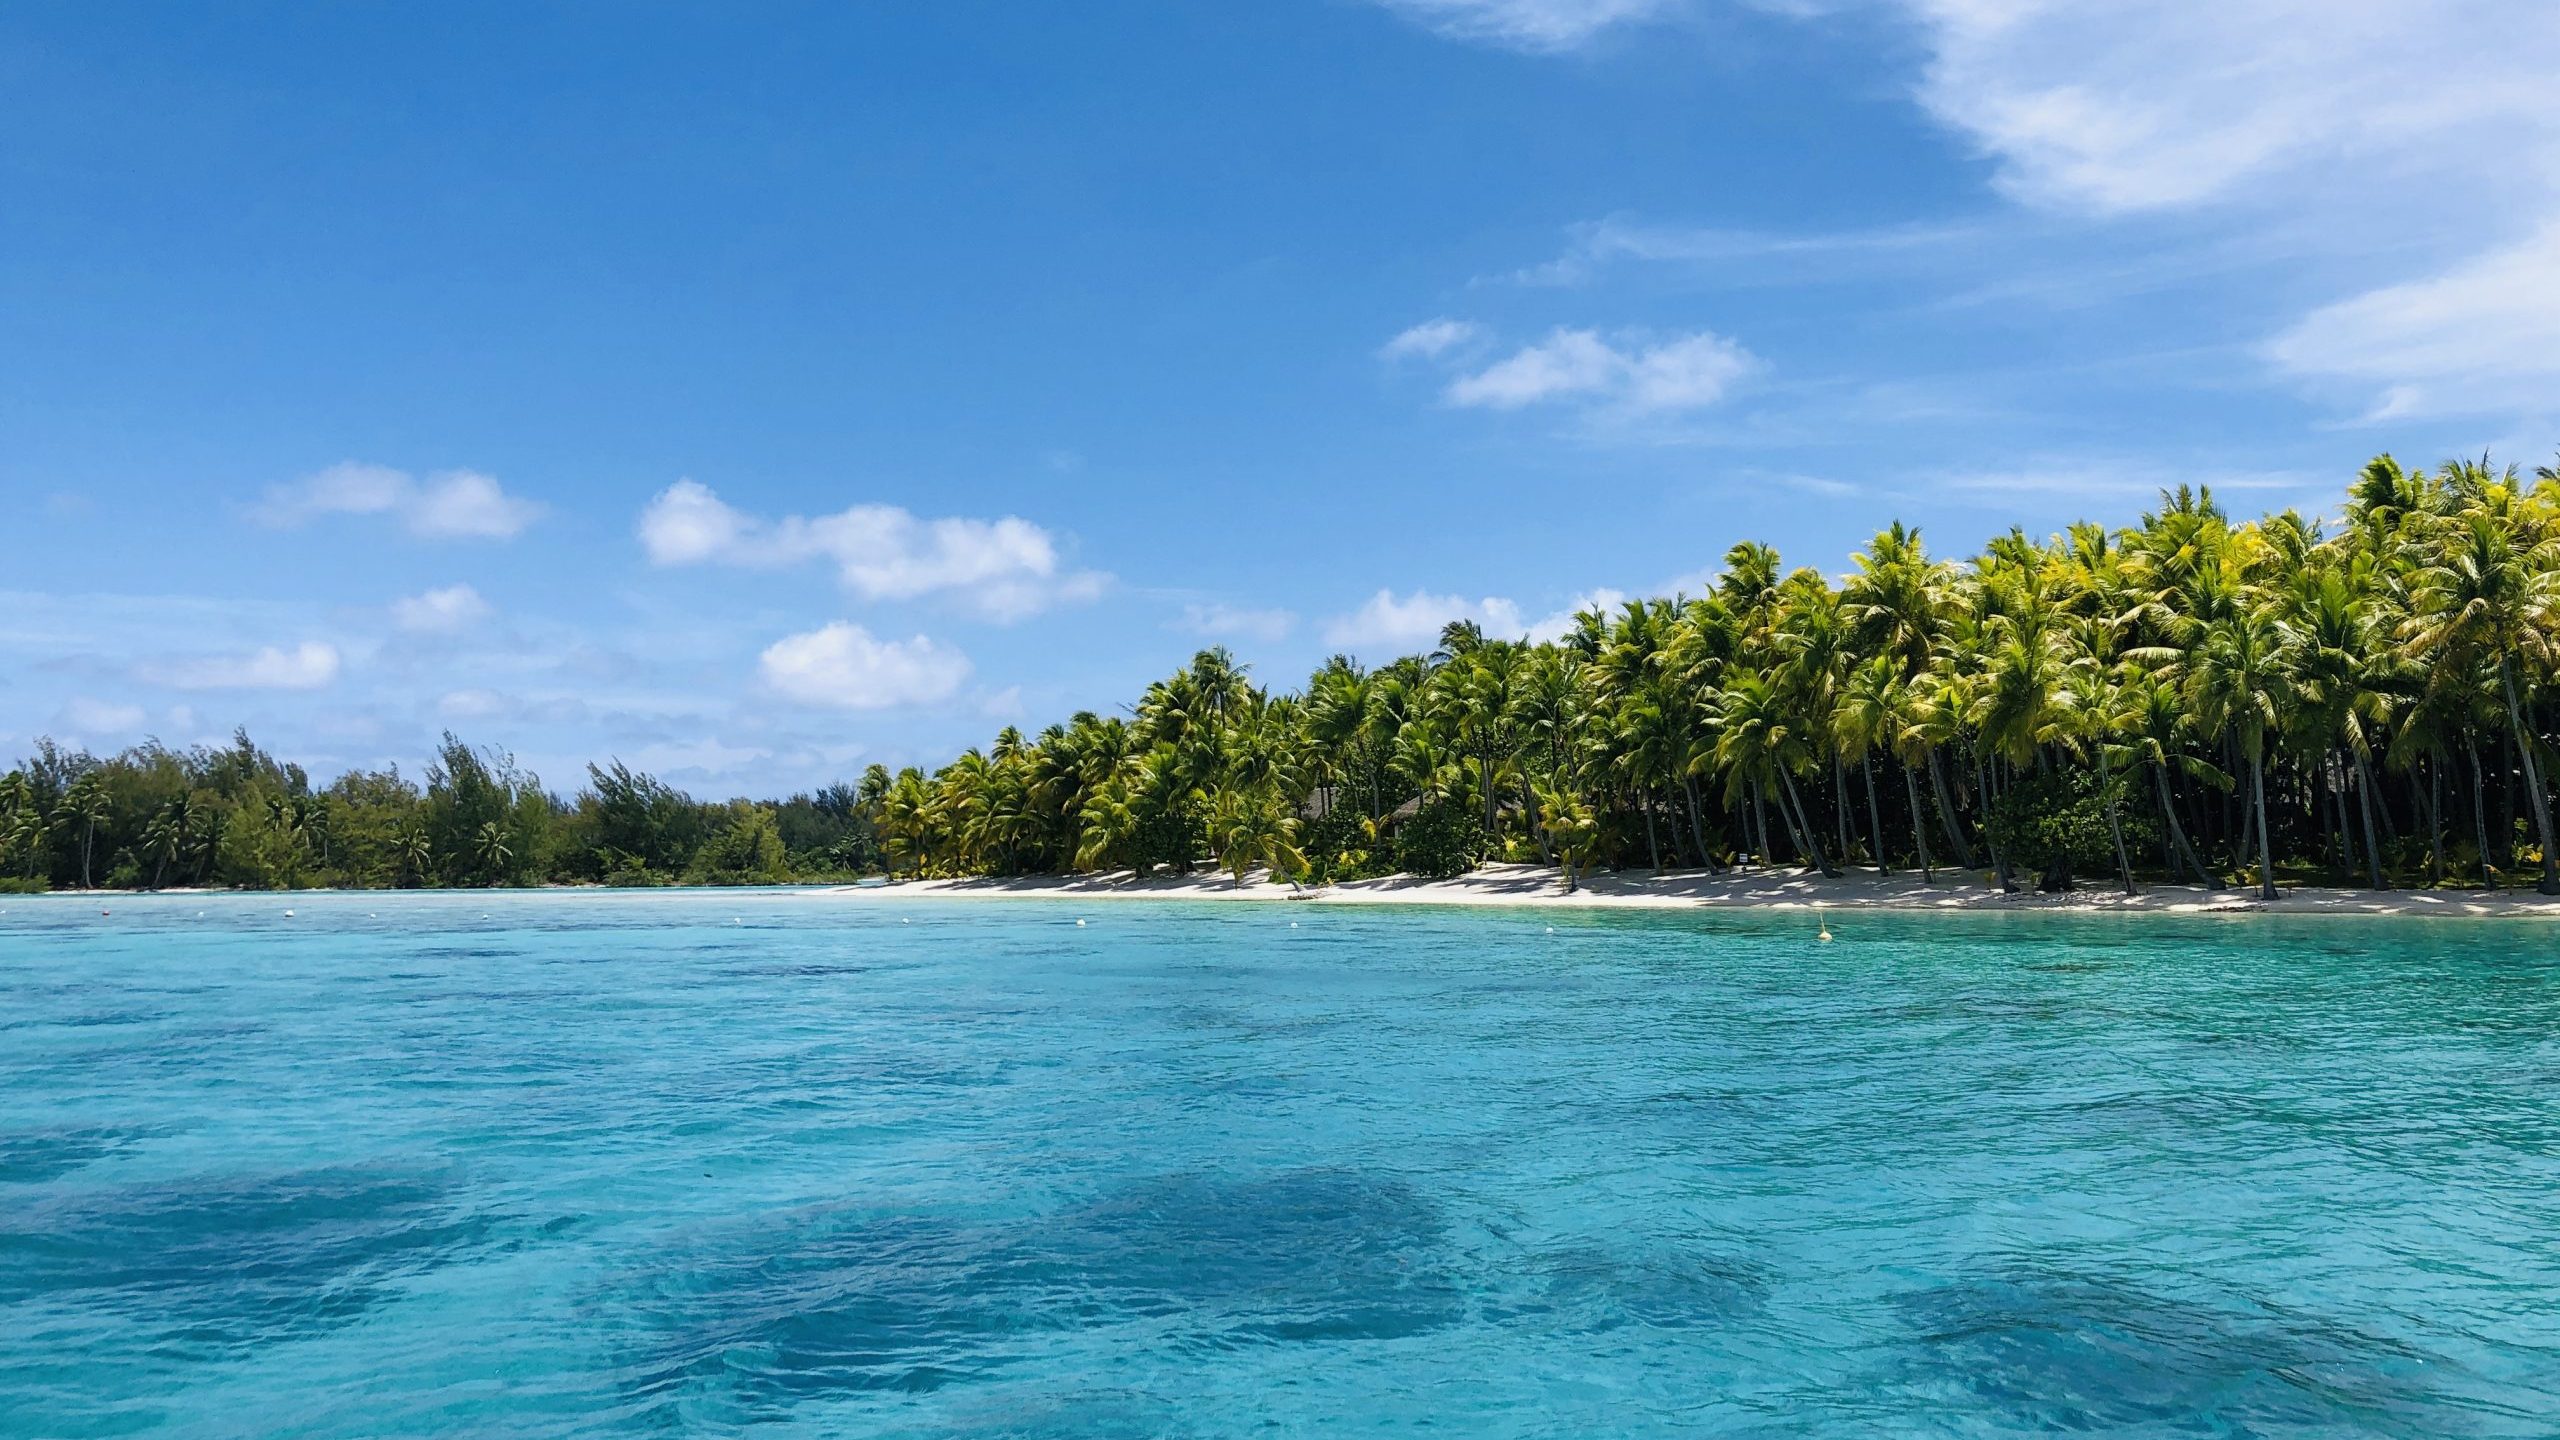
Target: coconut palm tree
[(2236, 681), (2490, 588)]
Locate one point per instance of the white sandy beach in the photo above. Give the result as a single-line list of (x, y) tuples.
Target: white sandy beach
[(1536, 885)]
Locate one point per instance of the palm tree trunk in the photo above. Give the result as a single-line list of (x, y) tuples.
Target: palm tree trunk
[(2480, 812), (2115, 828), (1875, 818), (2364, 802), (1840, 801), (1947, 811), (1651, 842), (2178, 832), (2532, 786), (2435, 817), (1528, 812), (1760, 822), (1698, 826), (1919, 827), (1812, 842), (2266, 853)]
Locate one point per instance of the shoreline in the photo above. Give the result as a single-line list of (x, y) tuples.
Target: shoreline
[(1537, 887)]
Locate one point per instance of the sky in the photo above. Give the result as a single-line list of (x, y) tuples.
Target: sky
[(754, 394)]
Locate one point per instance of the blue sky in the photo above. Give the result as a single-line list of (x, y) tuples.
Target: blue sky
[(755, 398)]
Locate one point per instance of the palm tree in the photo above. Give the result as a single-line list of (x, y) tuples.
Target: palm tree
[(2236, 680), (492, 848), (2491, 588), (85, 806), (1570, 823), (1868, 718), (1247, 828)]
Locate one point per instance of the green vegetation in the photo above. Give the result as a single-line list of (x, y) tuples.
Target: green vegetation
[(154, 817), (2189, 698)]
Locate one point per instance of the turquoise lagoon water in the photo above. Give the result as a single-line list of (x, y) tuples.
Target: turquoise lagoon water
[(703, 1163)]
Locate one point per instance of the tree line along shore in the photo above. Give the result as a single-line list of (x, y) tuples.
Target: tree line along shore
[(2368, 701)]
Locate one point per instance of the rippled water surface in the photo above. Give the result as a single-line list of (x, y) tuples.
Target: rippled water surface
[(700, 1163)]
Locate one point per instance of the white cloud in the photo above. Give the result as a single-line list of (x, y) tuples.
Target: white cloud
[(2125, 107), (1594, 245), (2483, 336), (307, 666), (1560, 624), (1528, 24), (88, 719), (841, 667), (1402, 623), (1431, 339), (467, 505), (2363, 127), (475, 704), (445, 611), (1004, 569), (448, 505), (1218, 620), (1630, 375)]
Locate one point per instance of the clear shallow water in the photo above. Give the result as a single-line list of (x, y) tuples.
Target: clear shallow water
[(620, 1164)]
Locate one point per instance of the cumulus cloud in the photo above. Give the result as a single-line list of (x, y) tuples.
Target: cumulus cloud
[(1403, 624), (447, 505), (842, 667), (1004, 569), (1546, 25), (307, 666), (1630, 375), (1217, 621), (1388, 621), (446, 611)]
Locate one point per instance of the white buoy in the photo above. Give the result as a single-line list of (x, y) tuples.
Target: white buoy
[(1825, 923), (288, 914), (1079, 924)]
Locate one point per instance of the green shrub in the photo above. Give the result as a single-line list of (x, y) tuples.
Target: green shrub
[(2053, 823), (1440, 840)]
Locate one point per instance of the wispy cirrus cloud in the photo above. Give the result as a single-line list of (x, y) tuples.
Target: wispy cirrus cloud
[(1222, 622), (1539, 25), (1003, 569), (2302, 114)]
